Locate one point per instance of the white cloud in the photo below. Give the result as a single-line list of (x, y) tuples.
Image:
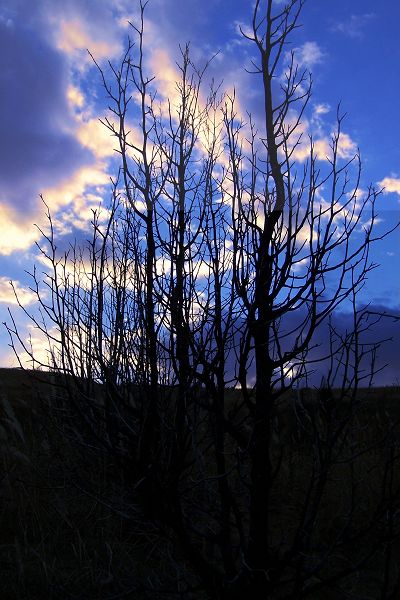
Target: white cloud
[(7, 295), (167, 75), (309, 54), (347, 148), (16, 233), (71, 203), (71, 190), (242, 28), (73, 36), (41, 346), (390, 185), (354, 26), (75, 97), (321, 109), (94, 135)]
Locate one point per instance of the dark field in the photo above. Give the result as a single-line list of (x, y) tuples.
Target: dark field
[(70, 527)]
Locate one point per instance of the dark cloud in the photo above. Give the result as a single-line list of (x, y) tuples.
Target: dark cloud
[(36, 149), (385, 333)]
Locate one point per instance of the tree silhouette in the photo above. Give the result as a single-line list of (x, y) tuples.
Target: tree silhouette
[(185, 334)]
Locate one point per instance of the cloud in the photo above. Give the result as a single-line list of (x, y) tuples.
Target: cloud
[(73, 199), (75, 36), (387, 329), (7, 295), (347, 148), (38, 143), (309, 54), (321, 109), (16, 232), (390, 185), (355, 26), (6, 22), (41, 348), (75, 97), (71, 202), (342, 321), (166, 73), (97, 138), (52, 142)]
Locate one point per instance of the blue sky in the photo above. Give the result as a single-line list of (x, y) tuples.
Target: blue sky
[(50, 102)]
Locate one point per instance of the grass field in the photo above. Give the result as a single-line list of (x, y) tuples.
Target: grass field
[(59, 540)]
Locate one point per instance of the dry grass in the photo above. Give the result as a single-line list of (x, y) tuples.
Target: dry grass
[(69, 532)]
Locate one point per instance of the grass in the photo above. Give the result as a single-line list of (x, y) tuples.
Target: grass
[(68, 531)]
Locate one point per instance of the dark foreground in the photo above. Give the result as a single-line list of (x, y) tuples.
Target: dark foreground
[(71, 528)]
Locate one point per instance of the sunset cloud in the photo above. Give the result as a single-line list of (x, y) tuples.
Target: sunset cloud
[(97, 138), (72, 188), (72, 201), (74, 36), (75, 97), (167, 74), (7, 295), (38, 143), (16, 233), (41, 347), (347, 148)]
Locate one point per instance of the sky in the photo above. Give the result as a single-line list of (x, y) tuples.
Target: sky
[(53, 144)]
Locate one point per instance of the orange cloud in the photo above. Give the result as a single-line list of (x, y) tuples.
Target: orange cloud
[(94, 135), (75, 97), (16, 233), (7, 295), (74, 35)]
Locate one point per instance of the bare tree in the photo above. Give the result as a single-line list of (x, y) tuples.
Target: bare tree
[(187, 330)]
